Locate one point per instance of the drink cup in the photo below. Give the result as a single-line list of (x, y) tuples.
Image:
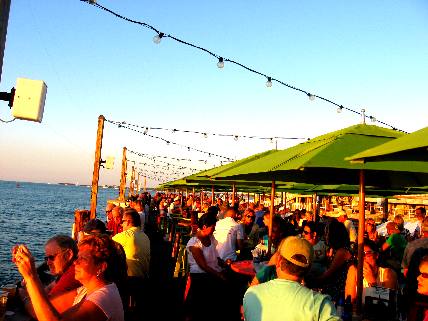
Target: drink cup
[(3, 303)]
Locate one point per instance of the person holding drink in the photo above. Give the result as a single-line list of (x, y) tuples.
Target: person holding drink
[(98, 267)]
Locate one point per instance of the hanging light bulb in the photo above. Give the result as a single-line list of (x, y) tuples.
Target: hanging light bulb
[(269, 82), (311, 97), (158, 37), (188, 148), (205, 135), (373, 119), (339, 109), (146, 130), (271, 140), (220, 63), (235, 138), (167, 142)]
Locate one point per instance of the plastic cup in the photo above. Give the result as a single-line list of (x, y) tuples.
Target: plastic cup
[(3, 303)]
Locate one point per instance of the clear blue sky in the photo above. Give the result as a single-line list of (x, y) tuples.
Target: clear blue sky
[(362, 54)]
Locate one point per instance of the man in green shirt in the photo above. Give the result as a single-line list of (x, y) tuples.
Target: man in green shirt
[(285, 298)]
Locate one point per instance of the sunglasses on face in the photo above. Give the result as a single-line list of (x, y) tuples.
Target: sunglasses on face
[(50, 257), (424, 275), (250, 216), (306, 232)]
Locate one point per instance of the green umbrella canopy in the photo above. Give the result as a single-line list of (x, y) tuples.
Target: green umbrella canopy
[(321, 160), (410, 147)]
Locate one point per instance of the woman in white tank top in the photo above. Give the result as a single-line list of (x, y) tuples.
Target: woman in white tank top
[(98, 266)]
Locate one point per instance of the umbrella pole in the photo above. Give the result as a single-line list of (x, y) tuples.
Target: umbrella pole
[(272, 207), (233, 194), (212, 194), (361, 222)]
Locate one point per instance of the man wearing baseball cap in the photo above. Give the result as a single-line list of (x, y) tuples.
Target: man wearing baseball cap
[(285, 298)]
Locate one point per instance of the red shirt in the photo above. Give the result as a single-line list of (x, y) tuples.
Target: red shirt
[(65, 283)]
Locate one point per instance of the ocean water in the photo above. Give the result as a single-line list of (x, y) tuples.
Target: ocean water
[(32, 213)]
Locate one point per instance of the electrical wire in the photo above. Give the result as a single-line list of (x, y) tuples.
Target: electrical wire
[(161, 35), (7, 121), (189, 148)]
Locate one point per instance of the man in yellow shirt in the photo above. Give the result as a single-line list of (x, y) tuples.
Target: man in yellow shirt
[(135, 243)]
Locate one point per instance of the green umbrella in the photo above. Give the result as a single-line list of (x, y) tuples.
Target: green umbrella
[(411, 147), (321, 160)]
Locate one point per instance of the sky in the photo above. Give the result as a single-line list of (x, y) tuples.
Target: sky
[(362, 54)]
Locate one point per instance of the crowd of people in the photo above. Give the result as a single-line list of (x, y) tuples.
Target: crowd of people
[(306, 265)]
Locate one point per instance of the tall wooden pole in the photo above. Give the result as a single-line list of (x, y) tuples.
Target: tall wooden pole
[(361, 223), (193, 196), (123, 177), (96, 173), (233, 194), (4, 18), (131, 182), (138, 183), (145, 184), (212, 195), (272, 210)]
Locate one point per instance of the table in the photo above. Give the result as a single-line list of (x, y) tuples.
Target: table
[(245, 267)]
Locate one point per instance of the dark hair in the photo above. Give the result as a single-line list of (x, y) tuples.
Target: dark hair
[(371, 244), (336, 235), (134, 216), (213, 210), (312, 226), (423, 210), (80, 219), (293, 269), (207, 219), (95, 224), (65, 242), (104, 249)]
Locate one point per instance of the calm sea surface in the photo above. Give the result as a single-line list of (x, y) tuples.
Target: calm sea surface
[(32, 213)]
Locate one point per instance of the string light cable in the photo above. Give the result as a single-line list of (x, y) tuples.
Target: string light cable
[(7, 121), (168, 166), (151, 156), (204, 134), (168, 142), (222, 60)]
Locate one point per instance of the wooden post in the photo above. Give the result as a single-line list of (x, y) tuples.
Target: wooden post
[(131, 182), (4, 18), (272, 209), (212, 195), (123, 176), (145, 184), (315, 208), (248, 199), (361, 224), (193, 196), (138, 183), (96, 173), (233, 194)]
